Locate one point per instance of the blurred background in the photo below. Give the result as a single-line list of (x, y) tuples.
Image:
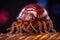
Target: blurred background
[(9, 10)]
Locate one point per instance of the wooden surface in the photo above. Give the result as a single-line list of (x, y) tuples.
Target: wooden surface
[(43, 36)]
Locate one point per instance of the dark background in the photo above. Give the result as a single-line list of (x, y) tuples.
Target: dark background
[(14, 7)]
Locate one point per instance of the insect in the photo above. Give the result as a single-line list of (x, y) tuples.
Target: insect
[(33, 15)]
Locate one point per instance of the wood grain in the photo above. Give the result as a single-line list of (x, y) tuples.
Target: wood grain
[(43, 36)]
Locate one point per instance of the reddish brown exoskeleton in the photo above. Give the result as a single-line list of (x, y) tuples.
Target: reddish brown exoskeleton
[(33, 15)]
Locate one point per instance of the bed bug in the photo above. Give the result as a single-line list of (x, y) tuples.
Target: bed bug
[(33, 15)]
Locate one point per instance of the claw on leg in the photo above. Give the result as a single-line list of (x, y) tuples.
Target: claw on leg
[(51, 26), (40, 26), (45, 27), (10, 32), (17, 29), (52, 29), (21, 27)]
